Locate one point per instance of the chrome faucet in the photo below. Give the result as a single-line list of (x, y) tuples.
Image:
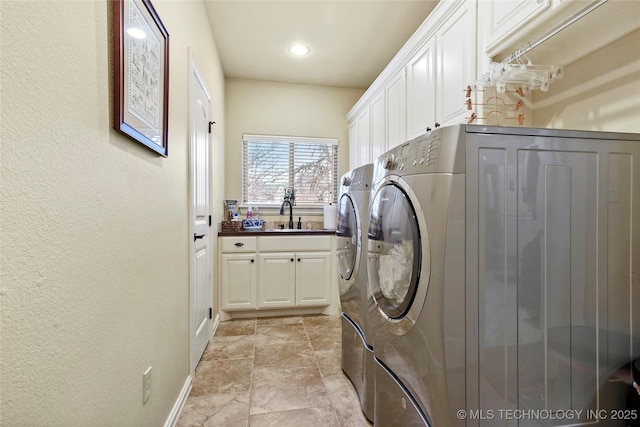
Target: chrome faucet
[(290, 212)]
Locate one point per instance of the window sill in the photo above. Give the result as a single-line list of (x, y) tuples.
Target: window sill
[(271, 210)]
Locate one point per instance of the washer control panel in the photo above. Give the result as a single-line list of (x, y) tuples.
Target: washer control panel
[(358, 179), (437, 151), (389, 162)]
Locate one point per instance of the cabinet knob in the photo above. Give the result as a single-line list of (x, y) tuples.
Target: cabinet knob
[(252, 260), (291, 259), (298, 259)]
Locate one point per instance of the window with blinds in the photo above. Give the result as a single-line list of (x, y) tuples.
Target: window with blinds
[(273, 163)]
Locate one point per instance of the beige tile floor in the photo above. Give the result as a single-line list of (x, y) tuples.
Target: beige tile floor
[(282, 372)]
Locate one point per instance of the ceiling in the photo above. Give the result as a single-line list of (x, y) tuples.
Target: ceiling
[(351, 41)]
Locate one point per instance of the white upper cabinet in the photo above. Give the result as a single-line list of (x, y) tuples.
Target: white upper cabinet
[(378, 126), (354, 150), (565, 30), (456, 65), (423, 85), (364, 138), (506, 17), (396, 107), (359, 140), (421, 90)]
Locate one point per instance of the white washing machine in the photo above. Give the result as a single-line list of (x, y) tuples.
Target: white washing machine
[(416, 274), (353, 219)]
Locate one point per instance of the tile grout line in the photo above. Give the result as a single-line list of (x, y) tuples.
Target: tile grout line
[(322, 376), (253, 364)]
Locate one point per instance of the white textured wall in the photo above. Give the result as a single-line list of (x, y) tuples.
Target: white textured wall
[(94, 227), (283, 109), (598, 92)]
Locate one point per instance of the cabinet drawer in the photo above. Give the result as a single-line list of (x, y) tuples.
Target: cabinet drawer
[(294, 243), (238, 244)]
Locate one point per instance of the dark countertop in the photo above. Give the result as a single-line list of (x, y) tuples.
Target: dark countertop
[(285, 232)]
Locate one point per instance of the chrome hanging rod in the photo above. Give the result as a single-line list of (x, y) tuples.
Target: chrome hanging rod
[(552, 32)]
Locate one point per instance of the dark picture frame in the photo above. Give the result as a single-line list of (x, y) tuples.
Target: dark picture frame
[(141, 74)]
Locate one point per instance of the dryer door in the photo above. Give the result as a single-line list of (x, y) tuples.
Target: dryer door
[(394, 254), (347, 234)]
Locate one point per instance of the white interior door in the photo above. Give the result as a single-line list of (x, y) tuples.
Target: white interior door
[(201, 284)]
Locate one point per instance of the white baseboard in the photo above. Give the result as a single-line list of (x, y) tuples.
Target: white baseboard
[(174, 415), (216, 322), (299, 311)]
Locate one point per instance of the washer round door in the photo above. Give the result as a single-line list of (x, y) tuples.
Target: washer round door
[(347, 238), (395, 255)]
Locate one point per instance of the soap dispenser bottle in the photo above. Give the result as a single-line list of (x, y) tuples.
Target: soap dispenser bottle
[(299, 223)]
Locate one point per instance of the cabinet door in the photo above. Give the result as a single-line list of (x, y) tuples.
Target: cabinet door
[(364, 141), (238, 281), (456, 65), (313, 278), (396, 103), (507, 17), (378, 134), (359, 142), (277, 283), (353, 144), (421, 93)]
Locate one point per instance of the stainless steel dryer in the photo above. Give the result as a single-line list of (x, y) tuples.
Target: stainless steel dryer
[(418, 199), (351, 233), (503, 263)]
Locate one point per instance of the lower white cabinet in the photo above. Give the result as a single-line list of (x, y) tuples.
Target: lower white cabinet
[(313, 277), (238, 272), (280, 272), (289, 279), (277, 287), (239, 278)]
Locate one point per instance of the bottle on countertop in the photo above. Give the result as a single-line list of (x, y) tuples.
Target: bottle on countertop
[(299, 223)]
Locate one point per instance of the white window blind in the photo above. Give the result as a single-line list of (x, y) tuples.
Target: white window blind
[(273, 163)]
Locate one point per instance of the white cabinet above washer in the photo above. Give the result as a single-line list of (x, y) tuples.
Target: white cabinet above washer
[(422, 87)]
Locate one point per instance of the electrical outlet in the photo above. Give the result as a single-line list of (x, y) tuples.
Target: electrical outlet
[(146, 385)]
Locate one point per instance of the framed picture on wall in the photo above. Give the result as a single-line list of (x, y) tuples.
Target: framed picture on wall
[(141, 73)]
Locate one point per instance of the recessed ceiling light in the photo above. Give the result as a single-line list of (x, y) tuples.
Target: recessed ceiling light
[(299, 50)]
